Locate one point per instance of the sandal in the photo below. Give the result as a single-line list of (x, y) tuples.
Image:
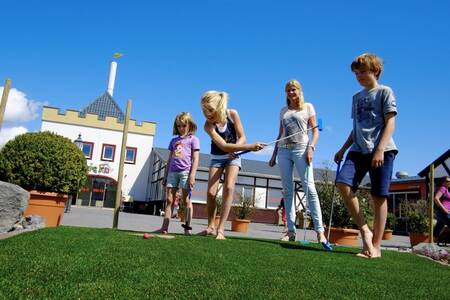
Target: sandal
[(186, 227)]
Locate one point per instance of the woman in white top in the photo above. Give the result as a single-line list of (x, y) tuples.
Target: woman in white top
[(298, 151)]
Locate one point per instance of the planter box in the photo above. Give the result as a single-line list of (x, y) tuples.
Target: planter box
[(343, 236), (217, 221), (240, 225), (387, 235), (49, 206), (417, 238)]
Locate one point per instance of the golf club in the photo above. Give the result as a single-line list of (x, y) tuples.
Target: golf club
[(333, 199)]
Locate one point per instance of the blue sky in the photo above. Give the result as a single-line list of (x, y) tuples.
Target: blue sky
[(58, 53)]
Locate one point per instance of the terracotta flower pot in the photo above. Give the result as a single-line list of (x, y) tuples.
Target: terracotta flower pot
[(417, 238), (240, 225), (181, 216), (344, 236), (387, 234), (49, 206), (217, 221)]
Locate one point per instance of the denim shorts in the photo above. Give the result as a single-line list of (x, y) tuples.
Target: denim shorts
[(224, 162), (357, 165), (178, 180)]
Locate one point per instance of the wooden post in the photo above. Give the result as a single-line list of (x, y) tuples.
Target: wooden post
[(121, 165), (430, 232), (4, 100)]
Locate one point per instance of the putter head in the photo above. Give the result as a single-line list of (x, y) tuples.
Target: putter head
[(319, 124)]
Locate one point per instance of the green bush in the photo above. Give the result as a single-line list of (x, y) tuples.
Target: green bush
[(43, 161), (417, 216), (390, 221), (245, 208), (341, 216)]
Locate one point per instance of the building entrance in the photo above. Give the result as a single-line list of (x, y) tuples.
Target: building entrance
[(98, 192)]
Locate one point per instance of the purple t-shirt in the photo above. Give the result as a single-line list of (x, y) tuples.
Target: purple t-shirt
[(182, 148), (445, 199)]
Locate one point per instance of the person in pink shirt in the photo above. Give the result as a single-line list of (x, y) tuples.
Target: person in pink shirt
[(442, 200)]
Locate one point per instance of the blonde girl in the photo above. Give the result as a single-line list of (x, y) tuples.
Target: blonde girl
[(182, 168), (227, 136), (297, 151)]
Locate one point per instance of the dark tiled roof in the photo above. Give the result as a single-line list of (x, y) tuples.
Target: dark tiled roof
[(104, 106), (249, 167), (407, 179)]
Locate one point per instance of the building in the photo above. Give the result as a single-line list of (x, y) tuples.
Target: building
[(99, 128)]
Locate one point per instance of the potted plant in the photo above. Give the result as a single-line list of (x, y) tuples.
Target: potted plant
[(390, 222), (243, 212), (49, 166), (217, 210), (343, 230), (417, 221)]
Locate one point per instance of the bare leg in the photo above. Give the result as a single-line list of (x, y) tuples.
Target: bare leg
[(352, 204), (228, 191), (171, 194), (213, 185), (188, 205), (379, 222)]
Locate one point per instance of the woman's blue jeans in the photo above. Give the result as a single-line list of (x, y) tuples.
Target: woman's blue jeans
[(287, 159)]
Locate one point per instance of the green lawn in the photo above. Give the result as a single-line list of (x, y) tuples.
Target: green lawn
[(72, 263)]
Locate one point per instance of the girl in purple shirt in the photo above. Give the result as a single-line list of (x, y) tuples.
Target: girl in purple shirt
[(182, 168)]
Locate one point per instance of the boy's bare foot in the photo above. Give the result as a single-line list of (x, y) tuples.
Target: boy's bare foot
[(208, 231), (187, 232), (368, 249), (220, 235)]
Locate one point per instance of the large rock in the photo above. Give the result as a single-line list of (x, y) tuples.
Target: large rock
[(13, 202)]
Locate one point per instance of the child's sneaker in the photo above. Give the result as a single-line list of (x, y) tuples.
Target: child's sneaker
[(288, 236)]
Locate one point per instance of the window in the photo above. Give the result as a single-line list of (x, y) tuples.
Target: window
[(108, 152), (130, 155), (87, 149)]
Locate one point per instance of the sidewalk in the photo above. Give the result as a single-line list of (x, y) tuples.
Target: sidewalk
[(103, 218)]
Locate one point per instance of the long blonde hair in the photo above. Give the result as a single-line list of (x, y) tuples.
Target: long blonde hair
[(184, 118), (295, 83), (217, 100)]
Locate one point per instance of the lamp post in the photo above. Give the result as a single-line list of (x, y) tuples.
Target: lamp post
[(79, 142)]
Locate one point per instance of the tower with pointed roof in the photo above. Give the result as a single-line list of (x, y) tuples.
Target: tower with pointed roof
[(100, 124)]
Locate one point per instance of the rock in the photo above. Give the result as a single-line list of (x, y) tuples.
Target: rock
[(13, 202)]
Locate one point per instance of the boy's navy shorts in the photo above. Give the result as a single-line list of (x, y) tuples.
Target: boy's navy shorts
[(357, 165)]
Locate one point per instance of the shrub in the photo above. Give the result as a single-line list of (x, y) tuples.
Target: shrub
[(341, 216), (43, 161), (417, 216), (390, 221), (245, 208)]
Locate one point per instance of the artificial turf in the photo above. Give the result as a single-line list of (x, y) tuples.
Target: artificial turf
[(86, 263)]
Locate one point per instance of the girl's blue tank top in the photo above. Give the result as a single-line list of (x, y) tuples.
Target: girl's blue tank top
[(229, 135)]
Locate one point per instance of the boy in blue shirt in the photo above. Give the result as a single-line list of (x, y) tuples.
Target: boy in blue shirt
[(372, 150)]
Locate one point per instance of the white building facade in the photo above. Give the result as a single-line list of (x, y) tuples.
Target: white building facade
[(100, 128)]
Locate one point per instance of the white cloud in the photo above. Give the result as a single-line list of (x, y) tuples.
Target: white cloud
[(7, 134), (19, 108)]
